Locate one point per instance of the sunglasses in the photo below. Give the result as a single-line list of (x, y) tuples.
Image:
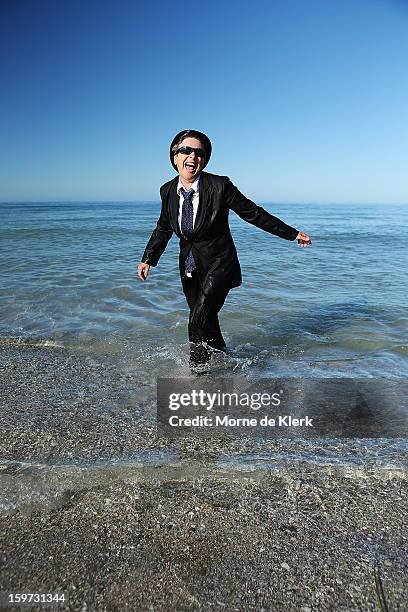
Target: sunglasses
[(189, 150)]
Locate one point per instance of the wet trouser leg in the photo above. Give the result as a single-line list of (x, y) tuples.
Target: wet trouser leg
[(203, 323)]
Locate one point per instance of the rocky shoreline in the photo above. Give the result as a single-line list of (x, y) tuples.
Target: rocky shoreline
[(309, 538), (186, 531)]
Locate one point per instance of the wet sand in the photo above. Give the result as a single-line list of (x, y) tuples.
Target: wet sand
[(296, 540), (186, 531)]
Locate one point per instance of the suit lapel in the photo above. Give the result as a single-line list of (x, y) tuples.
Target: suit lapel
[(203, 205), (174, 202)]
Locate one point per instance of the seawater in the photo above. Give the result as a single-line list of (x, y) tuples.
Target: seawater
[(337, 309)]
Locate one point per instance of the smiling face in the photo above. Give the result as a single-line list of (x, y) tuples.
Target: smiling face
[(189, 166)]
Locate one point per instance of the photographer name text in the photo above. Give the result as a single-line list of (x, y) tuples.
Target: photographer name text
[(230, 421)]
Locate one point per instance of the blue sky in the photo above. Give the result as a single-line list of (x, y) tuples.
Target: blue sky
[(303, 101)]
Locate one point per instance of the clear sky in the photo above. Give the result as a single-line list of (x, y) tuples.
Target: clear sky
[(303, 101)]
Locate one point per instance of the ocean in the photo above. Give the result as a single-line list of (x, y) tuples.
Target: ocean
[(69, 287), (336, 309)]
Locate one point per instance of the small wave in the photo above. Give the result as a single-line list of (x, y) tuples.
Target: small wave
[(30, 342), (34, 487)]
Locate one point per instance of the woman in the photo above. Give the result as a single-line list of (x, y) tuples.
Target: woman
[(195, 206)]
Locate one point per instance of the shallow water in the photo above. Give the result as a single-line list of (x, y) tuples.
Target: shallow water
[(337, 309)]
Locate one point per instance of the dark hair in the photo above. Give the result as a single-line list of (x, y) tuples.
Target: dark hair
[(178, 139), (186, 134)]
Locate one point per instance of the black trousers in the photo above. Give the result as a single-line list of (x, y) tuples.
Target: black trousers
[(203, 325)]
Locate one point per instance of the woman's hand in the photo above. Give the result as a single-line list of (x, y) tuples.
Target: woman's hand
[(303, 239), (143, 271)]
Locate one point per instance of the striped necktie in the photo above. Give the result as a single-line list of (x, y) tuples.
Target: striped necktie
[(186, 225)]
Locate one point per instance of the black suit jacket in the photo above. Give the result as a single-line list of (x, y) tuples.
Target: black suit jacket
[(212, 245)]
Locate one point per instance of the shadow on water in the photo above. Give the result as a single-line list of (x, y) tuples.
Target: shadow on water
[(323, 319), (354, 335)]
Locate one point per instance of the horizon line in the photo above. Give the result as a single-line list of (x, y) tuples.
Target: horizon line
[(291, 203)]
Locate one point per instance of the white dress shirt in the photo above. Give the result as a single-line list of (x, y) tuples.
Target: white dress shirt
[(195, 202), (195, 199)]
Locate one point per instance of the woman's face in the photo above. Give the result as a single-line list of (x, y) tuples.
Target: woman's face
[(189, 166)]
